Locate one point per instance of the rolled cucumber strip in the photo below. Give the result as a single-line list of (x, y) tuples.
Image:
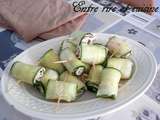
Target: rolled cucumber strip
[(108, 87), (68, 44), (65, 91), (118, 47), (27, 73), (48, 60), (87, 38), (94, 78), (49, 75), (123, 65), (74, 65), (77, 36), (82, 37), (67, 77), (93, 54)]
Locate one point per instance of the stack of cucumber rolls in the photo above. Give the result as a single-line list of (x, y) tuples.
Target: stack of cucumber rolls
[(59, 75)]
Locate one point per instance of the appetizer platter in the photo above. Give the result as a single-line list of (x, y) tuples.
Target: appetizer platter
[(80, 65), (80, 75)]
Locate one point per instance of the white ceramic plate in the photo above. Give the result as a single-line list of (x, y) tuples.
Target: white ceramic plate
[(27, 101)]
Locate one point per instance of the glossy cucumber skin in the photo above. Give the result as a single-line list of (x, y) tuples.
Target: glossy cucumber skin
[(59, 89), (67, 77), (73, 62), (48, 59), (24, 72), (109, 83), (93, 54), (123, 65)]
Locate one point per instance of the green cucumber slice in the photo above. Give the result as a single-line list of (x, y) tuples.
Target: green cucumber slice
[(66, 91), (118, 47), (48, 59), (109, 83), (74, 65), (26, 72), (123, 65), (93, 54), (68, 44)]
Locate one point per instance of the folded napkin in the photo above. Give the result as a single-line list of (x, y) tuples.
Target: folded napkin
[(39, 18)]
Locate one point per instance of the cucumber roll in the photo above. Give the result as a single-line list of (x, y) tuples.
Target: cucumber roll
[(48, 60), (49, 75), (27, 73), (77, 36), (74, 65), (67, 77), (124, 65), (118, 47), (93, 79), (68, 44), (92, 54), (108, 87), (87, 38), (82, 37), (65, 91)]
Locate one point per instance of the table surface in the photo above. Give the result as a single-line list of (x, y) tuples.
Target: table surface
[(141, 27)]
